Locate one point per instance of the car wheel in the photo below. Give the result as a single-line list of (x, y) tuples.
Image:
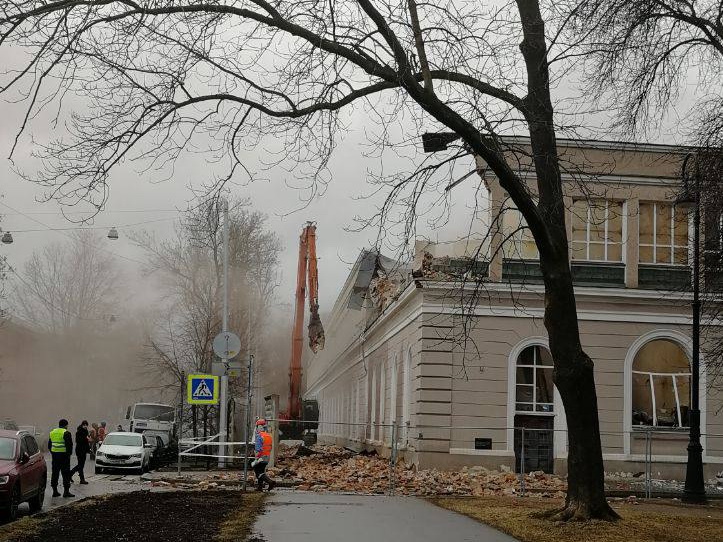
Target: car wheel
[(11, 513), (99, 470), (36, 503)]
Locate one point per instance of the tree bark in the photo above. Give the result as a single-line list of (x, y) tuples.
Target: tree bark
[(573, 368)]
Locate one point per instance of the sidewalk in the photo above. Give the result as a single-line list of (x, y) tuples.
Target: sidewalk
[(297, 516)]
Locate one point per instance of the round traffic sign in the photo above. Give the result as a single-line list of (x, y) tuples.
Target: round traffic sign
[(226, 345)]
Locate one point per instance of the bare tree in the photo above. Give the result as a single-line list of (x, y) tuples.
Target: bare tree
[(69, 285), (641, 56), (189, 267), (157, 74)]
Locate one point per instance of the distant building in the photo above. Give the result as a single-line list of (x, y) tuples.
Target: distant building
[(463, 367)]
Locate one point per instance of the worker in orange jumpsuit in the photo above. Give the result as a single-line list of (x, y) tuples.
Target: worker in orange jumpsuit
[(263, 444)]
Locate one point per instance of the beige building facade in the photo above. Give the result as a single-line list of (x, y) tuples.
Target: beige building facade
[(458, 372)]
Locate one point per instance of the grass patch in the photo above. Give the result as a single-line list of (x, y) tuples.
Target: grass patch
[(23, 528), (238, 523), (656, 521)]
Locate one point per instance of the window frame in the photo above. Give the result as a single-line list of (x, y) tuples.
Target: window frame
[(606, 243), (654, 245), (673, 376), (535, 367)]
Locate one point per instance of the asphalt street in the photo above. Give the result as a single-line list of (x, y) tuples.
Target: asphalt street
[(98, 484)]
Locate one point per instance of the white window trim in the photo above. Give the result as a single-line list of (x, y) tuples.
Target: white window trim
[(685, 343), (559, 423), (654, 245)]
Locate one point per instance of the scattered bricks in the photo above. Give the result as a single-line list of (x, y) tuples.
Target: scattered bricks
[(332, 468)]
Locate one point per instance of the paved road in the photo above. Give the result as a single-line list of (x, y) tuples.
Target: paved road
[(97, 485), (297, 516)]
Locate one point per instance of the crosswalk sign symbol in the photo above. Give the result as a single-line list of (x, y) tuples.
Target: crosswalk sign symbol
[(202, 390)]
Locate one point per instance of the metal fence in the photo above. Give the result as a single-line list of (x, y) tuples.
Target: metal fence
[(651, 462)]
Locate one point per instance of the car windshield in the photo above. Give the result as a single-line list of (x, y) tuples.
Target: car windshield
[(159, 413), (123, 440), (7, 448)]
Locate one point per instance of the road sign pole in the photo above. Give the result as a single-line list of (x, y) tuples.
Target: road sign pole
[(247, 424), (222, 422)]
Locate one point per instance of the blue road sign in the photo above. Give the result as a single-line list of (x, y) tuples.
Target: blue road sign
[(202, 390)]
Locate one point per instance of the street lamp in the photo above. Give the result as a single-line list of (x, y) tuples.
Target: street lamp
[(694, 484), (436, 142)]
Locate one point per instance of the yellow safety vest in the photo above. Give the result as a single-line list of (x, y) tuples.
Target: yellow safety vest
[(57, 440)]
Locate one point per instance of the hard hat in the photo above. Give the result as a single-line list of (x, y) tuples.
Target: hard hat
[(260, 422)]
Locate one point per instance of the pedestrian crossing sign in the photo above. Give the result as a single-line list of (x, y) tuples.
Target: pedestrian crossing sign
[(202, 390)]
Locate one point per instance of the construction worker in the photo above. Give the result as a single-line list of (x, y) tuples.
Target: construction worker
[(60, 444), (264, 445), (82, 448)]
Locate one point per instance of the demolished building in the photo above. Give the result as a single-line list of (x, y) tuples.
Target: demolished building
[(447, 362)]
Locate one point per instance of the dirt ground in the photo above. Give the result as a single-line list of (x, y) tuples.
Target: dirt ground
[(171, 516), (642, 521)]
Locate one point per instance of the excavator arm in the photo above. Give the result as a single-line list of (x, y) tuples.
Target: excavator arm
[(307, 276)]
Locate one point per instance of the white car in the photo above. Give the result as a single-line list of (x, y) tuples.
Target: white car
[(123, 451)]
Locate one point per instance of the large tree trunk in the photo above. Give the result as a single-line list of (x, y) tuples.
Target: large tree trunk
[(573, 371), (573, 376)]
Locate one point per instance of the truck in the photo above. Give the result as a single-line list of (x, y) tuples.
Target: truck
[(155, 419)]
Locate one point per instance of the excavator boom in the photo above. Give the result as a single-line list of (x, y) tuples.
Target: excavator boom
[(307, 274)]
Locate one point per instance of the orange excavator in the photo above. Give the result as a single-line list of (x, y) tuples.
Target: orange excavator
[(307, 277)]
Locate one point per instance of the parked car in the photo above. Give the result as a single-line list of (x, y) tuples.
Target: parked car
[(23, 473), (123, 451), (157, 448)]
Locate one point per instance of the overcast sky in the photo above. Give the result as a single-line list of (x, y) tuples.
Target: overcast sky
[(334, 211)]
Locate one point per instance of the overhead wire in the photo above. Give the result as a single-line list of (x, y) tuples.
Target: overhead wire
[(67, 235), (80, 228)]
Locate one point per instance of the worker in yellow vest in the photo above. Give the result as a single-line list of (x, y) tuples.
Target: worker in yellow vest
[(263, 445), (60, 445)]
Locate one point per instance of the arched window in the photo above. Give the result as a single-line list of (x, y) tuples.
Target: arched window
[(661, 385), (534, 387)]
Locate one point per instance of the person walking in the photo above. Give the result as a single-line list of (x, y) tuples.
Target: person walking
[(264, 445), (60, 444), (82, 447)]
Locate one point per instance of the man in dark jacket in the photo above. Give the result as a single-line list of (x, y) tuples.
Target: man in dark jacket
[(82, 447), (60, 445)]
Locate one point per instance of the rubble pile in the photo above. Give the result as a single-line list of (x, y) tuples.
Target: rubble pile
[(447, 268), (332, 468)]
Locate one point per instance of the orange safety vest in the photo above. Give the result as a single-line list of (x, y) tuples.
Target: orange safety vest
[(266, 445)]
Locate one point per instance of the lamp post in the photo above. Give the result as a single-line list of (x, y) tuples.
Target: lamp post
[(694, 484)]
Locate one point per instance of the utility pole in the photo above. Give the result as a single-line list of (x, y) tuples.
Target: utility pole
[(249, 383), (224, 378)]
